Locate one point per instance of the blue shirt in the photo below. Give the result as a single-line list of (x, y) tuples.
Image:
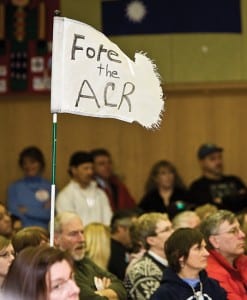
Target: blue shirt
[(29, 199)]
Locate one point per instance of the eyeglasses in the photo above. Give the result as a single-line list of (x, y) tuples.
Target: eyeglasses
[(233, 231), (166, 229)]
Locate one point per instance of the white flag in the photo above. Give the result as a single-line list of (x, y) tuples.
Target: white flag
[(91, 76)]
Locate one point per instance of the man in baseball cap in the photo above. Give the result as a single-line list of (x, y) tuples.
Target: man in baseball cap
[(207, 149), (224, 191)]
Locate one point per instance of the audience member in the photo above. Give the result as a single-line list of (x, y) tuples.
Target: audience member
[(81, 195), (165, 190), (242, 219), (186, 278), (98, 244), (16, 224), (117, 192), (143, 277), (6, 257), (226, 262), (29, 197), (41, 273), (227, 192), (93, 281), (3, 209), (12, 223), (137, 247), (186, 219), (29, 236), (205, 210), (120, 241), (5, 222)]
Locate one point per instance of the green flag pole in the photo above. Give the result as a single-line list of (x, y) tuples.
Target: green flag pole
[(53, 170), (53, 177)]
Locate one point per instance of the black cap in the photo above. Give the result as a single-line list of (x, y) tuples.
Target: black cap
[(207, 149), (80, 157)]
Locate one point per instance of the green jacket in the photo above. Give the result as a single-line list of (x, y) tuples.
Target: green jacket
[(85, 271)]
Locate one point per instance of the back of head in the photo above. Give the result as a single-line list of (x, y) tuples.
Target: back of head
[(97, 236), (178, 245), (205, 210), (26, 279), (210, 225), (186, 219), (29, 236)]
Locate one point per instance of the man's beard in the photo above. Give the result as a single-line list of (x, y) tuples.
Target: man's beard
[(217, 171), (78, 256), (74, 252)]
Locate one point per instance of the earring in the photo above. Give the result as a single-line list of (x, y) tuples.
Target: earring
[(181, 263)]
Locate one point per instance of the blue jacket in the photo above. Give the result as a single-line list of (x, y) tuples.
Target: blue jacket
[(29, 199)]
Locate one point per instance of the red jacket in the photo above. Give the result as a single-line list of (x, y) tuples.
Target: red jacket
[(233, 280), (122, 199)]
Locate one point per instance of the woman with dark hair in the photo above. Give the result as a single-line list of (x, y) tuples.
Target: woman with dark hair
[(165, 190), (6, 257), (41, 273), (186, 279), (29, 197)]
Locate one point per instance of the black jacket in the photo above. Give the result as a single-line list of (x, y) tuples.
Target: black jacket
[(153, 202), (230, 189)]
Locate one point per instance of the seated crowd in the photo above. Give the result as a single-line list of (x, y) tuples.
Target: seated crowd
[(175, 243)]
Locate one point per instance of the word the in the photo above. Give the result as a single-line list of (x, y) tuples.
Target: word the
[(107, 72)]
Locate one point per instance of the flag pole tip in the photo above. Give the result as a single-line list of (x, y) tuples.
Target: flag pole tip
[(57, 13)]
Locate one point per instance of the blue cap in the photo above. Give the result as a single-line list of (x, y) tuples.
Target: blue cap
[(207, 149)]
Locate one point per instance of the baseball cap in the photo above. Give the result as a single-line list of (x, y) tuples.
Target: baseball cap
[(80, 157), (207, 149)]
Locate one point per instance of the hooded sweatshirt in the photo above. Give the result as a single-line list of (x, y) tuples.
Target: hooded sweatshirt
[(174, 288)]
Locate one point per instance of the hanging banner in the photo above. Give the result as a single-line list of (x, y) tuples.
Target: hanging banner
[(25, 45), (91, 76)]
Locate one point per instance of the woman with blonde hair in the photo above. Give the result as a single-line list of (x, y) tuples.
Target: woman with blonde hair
[(96, 236)]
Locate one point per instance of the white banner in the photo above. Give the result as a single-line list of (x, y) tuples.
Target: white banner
[(91, 76)]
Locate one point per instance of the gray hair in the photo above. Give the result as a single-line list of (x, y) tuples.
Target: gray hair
[(63, 218), (211, 224)]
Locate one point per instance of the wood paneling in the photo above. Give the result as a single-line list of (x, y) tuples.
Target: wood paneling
[(194, 114)]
